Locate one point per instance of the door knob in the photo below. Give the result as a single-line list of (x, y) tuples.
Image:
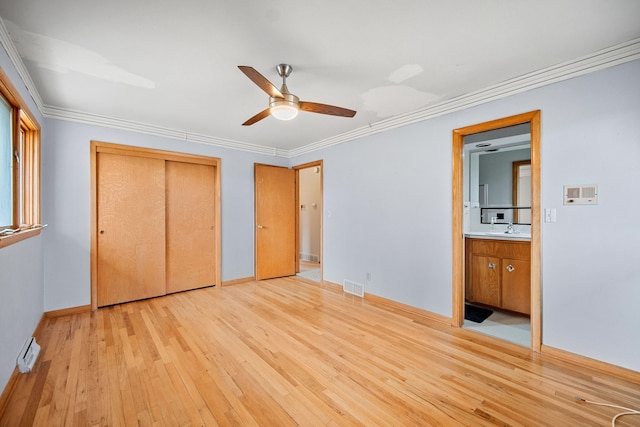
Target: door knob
[(510, 268), (101, 231), (492, 265), (260, 226)]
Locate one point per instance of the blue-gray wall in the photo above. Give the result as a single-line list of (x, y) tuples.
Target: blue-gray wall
[(387, 212), (21, 270), (388, 197)]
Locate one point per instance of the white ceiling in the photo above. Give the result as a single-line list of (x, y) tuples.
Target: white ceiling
[(170, 67)]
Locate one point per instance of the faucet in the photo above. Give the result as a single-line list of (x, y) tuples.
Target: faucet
[(509, 229)]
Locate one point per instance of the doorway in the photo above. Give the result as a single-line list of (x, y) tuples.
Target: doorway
[(459, 248), (309, 221)]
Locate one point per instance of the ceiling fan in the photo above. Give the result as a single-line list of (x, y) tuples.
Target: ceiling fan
[(284, 105)]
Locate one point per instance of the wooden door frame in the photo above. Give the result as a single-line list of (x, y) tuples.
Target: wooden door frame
[(108, 147), (458, 247), (297, 169)]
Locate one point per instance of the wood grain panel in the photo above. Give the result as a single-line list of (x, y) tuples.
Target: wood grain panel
[(275, 208), (131, 228), (485, 280), (501, 248), (516, 288), (190, 226), (282, 352)]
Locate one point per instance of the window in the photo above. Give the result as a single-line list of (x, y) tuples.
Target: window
[(19, 167)]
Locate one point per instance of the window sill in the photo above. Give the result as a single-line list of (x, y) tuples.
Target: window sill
[(19, 236)]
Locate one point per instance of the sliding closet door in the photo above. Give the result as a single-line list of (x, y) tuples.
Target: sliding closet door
[(190, 219), (130, 228)]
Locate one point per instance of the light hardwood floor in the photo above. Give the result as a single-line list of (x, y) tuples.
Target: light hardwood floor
[(283, 352)]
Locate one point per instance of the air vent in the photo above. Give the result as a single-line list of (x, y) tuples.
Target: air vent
[(580, 194), (309, 257), (353, 288)]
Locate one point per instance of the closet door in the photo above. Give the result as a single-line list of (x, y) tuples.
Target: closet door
[(190, 218), (131, 228)]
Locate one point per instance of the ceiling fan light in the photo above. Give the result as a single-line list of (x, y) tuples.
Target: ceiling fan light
[(284, 110)]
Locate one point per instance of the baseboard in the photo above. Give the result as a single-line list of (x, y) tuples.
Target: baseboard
[(408, 309), (330, 286), (574, 359), (68, 311), (237, 281), (398, 306), (13, 379), (588, 362)]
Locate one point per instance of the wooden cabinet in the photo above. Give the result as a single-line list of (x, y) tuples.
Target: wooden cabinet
[(498, 274)]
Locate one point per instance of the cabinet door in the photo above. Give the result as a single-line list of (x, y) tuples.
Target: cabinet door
[(485, 280), (190, 226), (131, 228), (516, 285)]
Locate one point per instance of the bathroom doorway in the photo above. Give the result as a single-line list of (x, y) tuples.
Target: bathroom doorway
[(463, 243), (309, 221)]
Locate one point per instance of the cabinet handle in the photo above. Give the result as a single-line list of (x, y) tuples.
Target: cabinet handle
[(492, 265), (510, 268)]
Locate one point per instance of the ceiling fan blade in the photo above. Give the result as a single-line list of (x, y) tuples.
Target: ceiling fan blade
[(261, 81), (261, 115), (314, 107)]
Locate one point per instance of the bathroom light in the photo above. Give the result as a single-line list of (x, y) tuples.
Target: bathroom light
[(284, 108)]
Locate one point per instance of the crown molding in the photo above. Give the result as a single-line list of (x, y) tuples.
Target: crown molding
[(615, 55), (10, 48), (122, 124)]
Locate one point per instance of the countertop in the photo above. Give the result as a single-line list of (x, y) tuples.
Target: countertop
[(498, 235)]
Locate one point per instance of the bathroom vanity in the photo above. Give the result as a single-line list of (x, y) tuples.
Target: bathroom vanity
[(498, 271)]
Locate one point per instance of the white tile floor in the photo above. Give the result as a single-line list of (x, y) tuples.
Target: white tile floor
[(506, 326), (310, 270)]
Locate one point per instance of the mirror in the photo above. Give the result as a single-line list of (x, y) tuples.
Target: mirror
[(521, 189), (498, 175)]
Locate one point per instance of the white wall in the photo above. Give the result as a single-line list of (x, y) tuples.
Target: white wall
[(387, 211), (496, 170), (67, 207), (21, 271)]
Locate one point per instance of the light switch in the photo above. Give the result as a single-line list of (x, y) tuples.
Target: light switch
[(550, 215)]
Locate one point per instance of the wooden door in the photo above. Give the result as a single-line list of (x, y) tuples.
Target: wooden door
[(485, 280), (516, 285), (275, 221), (130, 227), (190, 218)]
